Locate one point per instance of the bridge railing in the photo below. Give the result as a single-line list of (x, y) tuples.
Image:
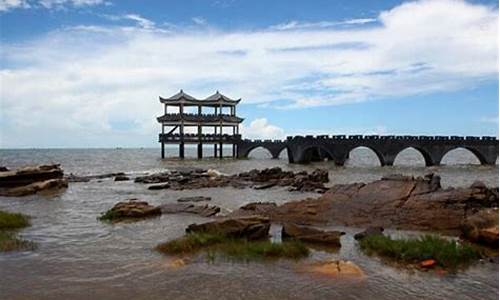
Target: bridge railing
[(394, 137)]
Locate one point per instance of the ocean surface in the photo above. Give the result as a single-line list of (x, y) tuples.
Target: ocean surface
[(79, 257)]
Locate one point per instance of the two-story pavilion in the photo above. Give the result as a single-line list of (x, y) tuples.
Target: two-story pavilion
[(198, 126)]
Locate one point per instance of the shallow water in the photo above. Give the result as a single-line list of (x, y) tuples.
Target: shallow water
[(79, 257)]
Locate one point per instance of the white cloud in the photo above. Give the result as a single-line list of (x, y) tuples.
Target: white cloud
[(199, 21), (295, 25), (79, 80), (140, 21), (6, 5), (261, 129), (489, 120)]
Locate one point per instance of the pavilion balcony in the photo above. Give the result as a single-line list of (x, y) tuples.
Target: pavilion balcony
[(199, 119), (194, 138)]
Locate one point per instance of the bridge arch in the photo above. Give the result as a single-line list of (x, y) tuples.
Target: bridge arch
[(256, 147), (314, 153), (478, 156), (427, 157), (372, 150)]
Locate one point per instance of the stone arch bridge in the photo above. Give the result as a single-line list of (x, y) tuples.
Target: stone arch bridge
[(304, 149)]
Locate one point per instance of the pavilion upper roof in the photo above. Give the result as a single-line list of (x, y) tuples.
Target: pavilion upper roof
[(214, 100)]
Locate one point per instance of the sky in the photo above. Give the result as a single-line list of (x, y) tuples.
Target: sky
[(88, 73)]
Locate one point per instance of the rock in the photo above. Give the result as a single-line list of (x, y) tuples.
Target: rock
[(28, 175), (213, 173), (87, 178), (30, 180), (265, 185), (177, 263), (154, 178), (403, 202), (370, 231), (482, 227), (393, 202), (4, 169), (319, 175), (254, 208), (194, 199), (311, 235), (131, 209), (47, 186), (159, 186), (202, 210), (196, 179), (336, 268), (478, 185), (251, 228), (428, 263), (121, 178)]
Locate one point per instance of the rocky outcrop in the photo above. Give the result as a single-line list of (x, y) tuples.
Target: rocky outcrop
[(121, 178), (370, 231), (131, 209), (87, 178), (392, 202), (482, 227), (202, 210), (258, 179), (311, 235), (251, 228), (30, 180)]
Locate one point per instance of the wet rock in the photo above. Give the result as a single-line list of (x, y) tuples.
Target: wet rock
[(254, 208), (154, 178), (482, 227), (311, 235), (336, 268), (194, 199), (393, 202), (121, 178), (29, 175), (202, 210), (131, 209), (370, 231), (159, 186), (87, 178), (30, 180), (251, 228), (47, 186), (197, 178), (265, 185)]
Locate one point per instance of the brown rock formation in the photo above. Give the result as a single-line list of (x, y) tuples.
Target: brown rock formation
[(394, 202), (202, 210), (131, 209), (30, 180), (311, 235), (251, 228)]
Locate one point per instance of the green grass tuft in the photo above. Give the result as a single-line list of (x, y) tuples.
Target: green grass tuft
[(447, 253), (13, 220), (9, 223), (10, 242), (234, 248), (110, 215)]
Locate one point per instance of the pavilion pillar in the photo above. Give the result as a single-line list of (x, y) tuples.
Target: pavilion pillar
[(181, 144), (215, 134), (162, 142), (200, 145), (220, 133), (234, 145)]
